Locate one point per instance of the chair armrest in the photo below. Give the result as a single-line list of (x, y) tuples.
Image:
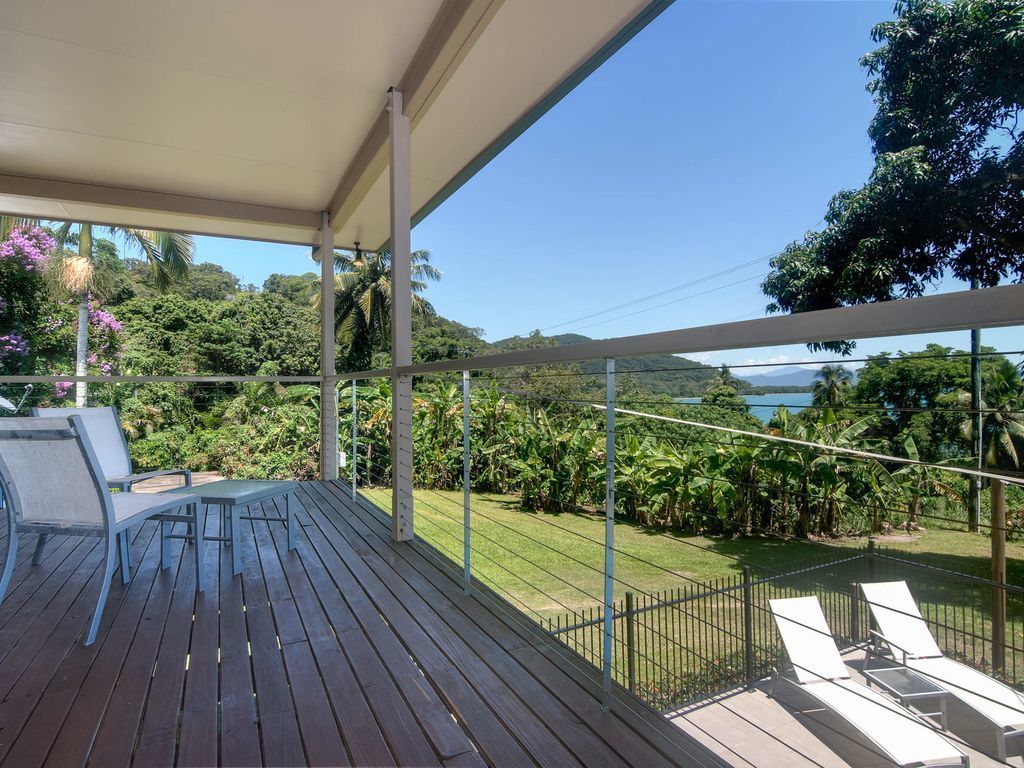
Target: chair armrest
[(126, 483), (879, 636)]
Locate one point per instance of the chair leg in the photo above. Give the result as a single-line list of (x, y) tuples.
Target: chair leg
[(12, 554), (101, 601), (37, 555), (127, 555), (122, 552), (198, 515), (165, 551)]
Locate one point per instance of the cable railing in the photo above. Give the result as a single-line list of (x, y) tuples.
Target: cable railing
[(680, 637)]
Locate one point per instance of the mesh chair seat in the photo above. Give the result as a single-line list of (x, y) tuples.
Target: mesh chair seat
[(129, 506)]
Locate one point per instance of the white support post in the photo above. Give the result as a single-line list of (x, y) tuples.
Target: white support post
[(328, 387), (609, 532), (401, 320), (467, 571), (355, 443)]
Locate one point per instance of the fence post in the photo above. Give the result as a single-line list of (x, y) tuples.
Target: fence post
[(609, 530), (748, 628), (467, 573), (871, 557), (998, 532), (630, 643), (854, 613), (355, 443)]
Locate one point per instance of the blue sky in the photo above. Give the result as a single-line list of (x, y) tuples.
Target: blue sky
[(704, 146)]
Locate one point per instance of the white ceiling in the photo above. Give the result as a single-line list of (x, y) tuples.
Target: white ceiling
[(240, 103)]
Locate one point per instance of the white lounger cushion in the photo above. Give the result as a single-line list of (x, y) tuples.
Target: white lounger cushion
[(819, 667), (808, 639), (895, 730), (999, 703), (899, 618)]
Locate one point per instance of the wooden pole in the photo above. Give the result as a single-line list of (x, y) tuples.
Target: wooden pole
[(998, 497)]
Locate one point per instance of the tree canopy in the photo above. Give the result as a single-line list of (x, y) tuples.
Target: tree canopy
[(946, 195)]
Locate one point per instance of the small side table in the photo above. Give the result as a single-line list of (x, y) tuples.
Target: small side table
[(230, 495), (908, 687)]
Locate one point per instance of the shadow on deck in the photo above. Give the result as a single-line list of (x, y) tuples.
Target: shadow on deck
[(350, 650)]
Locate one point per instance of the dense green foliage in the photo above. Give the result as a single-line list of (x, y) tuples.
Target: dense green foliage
[(946, 195)]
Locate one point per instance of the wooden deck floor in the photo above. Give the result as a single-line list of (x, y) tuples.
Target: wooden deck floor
[(350, 650)]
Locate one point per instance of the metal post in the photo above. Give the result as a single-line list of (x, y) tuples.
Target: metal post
[(609, 528), (974, 502), (402, 528), (328, 387), (997, 489), (748, 629), (467, 572), (854, 613), (355, 443), (630, 642)]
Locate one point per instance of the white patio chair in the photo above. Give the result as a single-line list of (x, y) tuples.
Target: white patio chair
[(820, 672), (903, 631), (53, 483), (108, 440)]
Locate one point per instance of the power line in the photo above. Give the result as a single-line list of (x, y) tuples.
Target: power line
[(664, 292)]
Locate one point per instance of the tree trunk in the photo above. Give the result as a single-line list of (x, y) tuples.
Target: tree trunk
[(82, 347), (82, 350), (998, 497)]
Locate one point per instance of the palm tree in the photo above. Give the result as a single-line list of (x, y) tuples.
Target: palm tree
[(832, 385), (362, 300), (82, 274)]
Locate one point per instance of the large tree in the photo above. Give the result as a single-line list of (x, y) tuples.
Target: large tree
[(946, 195)]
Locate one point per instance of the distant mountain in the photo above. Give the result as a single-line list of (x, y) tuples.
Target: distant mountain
[(662, 374), (789, 376)]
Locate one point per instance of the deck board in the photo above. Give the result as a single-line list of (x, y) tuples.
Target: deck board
[(350, 650)]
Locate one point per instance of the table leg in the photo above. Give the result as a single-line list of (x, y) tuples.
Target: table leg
[(165, 554), (236, 553), (199, 518), (289, 504)]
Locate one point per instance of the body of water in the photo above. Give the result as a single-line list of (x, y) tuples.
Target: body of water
[(764, 406)]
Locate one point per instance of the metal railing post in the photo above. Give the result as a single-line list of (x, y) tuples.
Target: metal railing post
[(630, 643), (748, 629), (467, 572), (355, 443), (609, 529), (854, 613)]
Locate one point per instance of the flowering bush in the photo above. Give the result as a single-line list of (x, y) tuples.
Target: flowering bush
[(23, 255), (29, 247)]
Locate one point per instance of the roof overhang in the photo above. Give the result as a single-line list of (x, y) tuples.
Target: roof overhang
[(248, 118)]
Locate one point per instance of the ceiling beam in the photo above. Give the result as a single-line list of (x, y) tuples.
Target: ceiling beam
[(163, 202), (457, 26)]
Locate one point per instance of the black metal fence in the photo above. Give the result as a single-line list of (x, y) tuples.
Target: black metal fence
[(676, 646)]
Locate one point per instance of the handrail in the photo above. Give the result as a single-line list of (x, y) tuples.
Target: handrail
[(961, 310)]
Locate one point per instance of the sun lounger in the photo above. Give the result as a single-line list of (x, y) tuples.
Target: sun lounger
[(896, 733), (903, 631)]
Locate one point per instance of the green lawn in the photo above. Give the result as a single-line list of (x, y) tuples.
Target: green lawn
[(552, 562)]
